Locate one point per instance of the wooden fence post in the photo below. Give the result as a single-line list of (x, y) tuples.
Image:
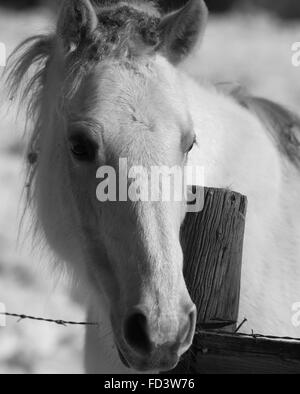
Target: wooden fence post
[(212, 242)]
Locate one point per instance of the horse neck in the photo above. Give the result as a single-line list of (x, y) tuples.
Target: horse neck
[(236, 151), (230, 139)]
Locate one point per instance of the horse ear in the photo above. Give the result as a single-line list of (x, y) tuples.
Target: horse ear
[(182, 29), (77, 20)]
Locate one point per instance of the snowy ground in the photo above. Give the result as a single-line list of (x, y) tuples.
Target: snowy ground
[(255, 51), (25, 285)]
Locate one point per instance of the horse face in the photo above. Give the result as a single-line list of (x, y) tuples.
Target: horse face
[(109, 91), (132, 107), (134, 113)]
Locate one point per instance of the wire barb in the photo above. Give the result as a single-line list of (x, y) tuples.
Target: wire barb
[(241, 325)]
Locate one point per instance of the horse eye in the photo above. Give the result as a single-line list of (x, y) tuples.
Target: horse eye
[(82, 148)]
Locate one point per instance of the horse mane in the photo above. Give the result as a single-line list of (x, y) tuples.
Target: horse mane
[(35, 52), (282, 124)]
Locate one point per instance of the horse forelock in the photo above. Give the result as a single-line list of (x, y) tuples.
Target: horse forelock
[(123, 32), (126, 31), (147, 7)]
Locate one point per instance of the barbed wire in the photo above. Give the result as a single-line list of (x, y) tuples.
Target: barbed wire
[(201, 329), (253, 335), (41, 319)]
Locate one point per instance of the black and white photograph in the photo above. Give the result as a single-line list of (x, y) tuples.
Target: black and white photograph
[(149, 190)]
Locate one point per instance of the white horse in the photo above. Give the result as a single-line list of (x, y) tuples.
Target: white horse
[(108, 86)]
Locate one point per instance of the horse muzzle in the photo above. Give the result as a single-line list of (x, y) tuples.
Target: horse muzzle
[(155, 347)]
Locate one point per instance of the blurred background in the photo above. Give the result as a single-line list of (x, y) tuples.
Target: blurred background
[(247, 41)]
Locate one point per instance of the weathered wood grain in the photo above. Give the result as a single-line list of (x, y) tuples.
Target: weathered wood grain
[(212, 242), (224, 353)]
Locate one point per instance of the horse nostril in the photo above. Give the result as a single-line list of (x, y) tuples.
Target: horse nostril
[(136, 333)]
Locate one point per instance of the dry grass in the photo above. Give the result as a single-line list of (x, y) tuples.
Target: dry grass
[(255, 51)]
